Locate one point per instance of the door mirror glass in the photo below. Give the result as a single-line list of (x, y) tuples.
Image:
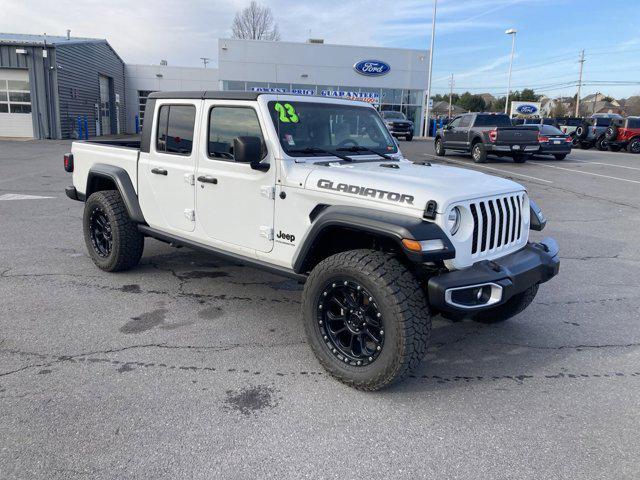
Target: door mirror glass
[(249, 150)]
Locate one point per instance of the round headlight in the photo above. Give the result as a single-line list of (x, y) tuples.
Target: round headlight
[(453, 220)]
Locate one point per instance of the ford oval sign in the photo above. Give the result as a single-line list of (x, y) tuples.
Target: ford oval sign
[(526, 109), (372, 68)]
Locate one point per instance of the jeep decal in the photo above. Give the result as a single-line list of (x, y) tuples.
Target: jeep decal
[(366, 191)]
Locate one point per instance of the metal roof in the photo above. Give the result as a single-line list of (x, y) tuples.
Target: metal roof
[(27, 39), (228, 95)]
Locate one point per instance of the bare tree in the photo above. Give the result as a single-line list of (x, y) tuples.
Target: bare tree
[(255, 22)]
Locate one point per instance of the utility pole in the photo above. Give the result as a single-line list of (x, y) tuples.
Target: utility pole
[(579, 84), (205, 61), (450, 94), (425, 129)]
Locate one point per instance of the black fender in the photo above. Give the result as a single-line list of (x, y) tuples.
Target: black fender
[(387, 224), (122, 181)]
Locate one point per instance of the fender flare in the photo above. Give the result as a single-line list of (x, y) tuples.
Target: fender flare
[(122, 181), (387, 224)]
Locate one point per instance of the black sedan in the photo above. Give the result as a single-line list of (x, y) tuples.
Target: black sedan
[(552, 141)]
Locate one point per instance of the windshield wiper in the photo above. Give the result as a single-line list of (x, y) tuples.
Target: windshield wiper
[(320, 150), (359, 148)]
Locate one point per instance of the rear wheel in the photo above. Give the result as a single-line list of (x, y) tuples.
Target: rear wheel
[(112, 239), (510, 308), (366, 318), (602, 143), (439, 147), (560, 156), (478, 153), (634, 145)]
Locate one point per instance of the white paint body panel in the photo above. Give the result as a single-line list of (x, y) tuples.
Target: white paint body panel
[(233, 214)]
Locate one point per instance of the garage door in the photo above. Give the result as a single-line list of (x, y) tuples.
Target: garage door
[(15, 104)]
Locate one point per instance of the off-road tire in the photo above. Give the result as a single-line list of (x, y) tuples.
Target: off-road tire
[(560, 156), (634, 145), (478, 153), (602, 143), (405, 316), (611, 133), (439, 147), (510, 308), (127, 241), (582, 131)]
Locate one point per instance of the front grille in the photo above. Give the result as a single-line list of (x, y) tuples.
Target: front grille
[(497, 223)]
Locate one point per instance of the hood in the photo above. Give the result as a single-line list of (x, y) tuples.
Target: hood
[(406, 184)]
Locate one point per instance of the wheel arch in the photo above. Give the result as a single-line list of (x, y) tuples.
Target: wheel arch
[(108, 177), (340, 228)]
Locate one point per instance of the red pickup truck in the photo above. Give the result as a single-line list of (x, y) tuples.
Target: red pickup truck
[(624, 133)]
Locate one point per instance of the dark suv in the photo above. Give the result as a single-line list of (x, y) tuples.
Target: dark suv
[(591, 132), (397, 124), (624, 134)]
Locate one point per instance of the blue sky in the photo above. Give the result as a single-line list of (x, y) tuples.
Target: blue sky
[(470, 39)]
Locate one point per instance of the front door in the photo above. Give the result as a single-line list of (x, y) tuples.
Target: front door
[(449, 132), (166, 181), (105, 106), (234, 203)]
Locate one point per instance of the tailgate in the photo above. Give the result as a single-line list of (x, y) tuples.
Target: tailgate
[(517, 135)]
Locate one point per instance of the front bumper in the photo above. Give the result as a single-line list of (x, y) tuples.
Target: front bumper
[(501, 279)]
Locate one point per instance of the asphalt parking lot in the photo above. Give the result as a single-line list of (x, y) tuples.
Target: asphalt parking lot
[(190, 367)]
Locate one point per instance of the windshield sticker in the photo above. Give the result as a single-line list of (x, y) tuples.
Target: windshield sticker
[(289, 139), (286, 112)]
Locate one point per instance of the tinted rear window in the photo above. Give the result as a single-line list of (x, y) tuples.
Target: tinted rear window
[(633, 123), (175, 129), (602, 122), (492, 121), (550, 130)]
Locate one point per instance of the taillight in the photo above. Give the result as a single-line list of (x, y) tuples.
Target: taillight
[(542, 139), (68, 162), (568, 140), (493, 135), (594, 130)]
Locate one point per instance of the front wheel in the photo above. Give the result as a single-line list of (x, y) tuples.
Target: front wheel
[(440, 151), (634, 145), (478, 153), (112, 239), (366, 318), (602, 144), (510, 308)]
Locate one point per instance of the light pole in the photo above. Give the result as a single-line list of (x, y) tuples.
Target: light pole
[(512, 32), (424, 128)]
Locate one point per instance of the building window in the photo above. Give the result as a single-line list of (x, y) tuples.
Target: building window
[(15, 97), (142, 103), (175, 129)]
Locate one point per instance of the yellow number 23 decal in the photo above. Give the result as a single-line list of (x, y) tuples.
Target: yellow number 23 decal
[(287, 113)]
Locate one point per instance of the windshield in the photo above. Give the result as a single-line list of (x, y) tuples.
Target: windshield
[(330, 127), (391, 114)]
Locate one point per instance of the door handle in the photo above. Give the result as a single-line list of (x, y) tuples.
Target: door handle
[(159, 171), (208, 179)]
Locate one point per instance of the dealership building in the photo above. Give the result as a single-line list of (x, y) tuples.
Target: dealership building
[(67, 87)]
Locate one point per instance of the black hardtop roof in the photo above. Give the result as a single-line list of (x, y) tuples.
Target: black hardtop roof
[(224, 95)]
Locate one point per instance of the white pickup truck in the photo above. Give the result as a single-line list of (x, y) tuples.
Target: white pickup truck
[(318, 190)]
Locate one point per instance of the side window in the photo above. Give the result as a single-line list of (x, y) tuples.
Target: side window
[(175, 129), (455, 122), (227, 123), (465, 121)]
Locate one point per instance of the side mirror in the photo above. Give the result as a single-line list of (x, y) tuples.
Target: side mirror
[(249, 150)]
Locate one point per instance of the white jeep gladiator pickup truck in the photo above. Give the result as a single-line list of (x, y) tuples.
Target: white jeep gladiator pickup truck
[(318, 190)]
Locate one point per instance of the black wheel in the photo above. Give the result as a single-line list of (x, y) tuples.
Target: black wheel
[(408, 138), (510, 308), (560, 156), (582, 131), (439, 147), (611, 133), (113, 240), (366, 318), (614, 148), (602, 143), (478, 153), (519, 158), (634, 145), (575, 142)]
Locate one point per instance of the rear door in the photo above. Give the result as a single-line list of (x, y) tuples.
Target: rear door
[(234, 203), (166, 180)]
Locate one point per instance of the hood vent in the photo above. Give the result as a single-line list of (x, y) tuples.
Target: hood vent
[(389, 165)]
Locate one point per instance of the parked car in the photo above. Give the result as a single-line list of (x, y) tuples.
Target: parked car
[(484, 133), (553, 142), (591, 132), (568, 125), (398, 124), (624, 134)]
